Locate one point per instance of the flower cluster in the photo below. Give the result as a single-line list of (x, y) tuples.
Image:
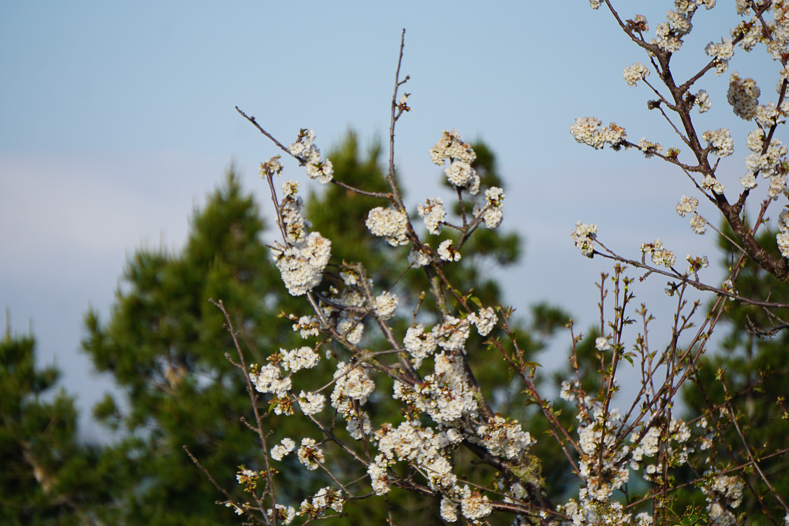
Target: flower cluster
[(447, 252), (268, 379), (444, 395), (503, 438), (771, 164), (660, 256), (649, 148), (295, 360), (279, 451), (583, 237), (285, 515), (485, 320), (352, 384), (272, 167), (434, 214), (678, 24), (307, 326), (419, 344), (696, 263), (325, 499), (460, 155), (743, 96), (290, 211), (602, 465), (452, 334), (491, 212), (650, 437), (782, 237), (310, 455), (722, 53), (422, 447), (248, 478), (702, 100), (768, 115), (419, 257), (634, 73), (687, 205), (720, 142), (388, 223), (311, 403), (586, 130), (385, 305), (307, 153), (752, 32), (301, 265), (711, 183), (721, 491)]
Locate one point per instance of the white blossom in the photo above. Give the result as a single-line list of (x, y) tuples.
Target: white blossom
[(280, 450), (309, 154), (687, 205), (720, 142), (311, 403), (473, 505), (722, 53), (485, 320), (452, 334), (492, 210), (378, 478), (743, 96), (385, 305), (302, 267), (447, 252), (269, 380), (418, 258), (352, 329), (602, 344), (285, 515), (302, 358), (649, 148), (634, 73), (586, 130), (434, 214), (388, 223), (583, 237), (567, 390), (660, 256), (419, 344), (702, 100), (307, 326), (449, 509), (713, 184), (309, 454)]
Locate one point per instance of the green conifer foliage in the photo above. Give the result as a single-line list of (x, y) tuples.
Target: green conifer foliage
[(47, 476), (165, 345)]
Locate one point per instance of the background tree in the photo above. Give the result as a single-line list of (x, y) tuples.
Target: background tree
[(47, 476), (165, 343)]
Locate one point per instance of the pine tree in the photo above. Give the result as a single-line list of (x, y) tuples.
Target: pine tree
[(165, 345), (47, 475)]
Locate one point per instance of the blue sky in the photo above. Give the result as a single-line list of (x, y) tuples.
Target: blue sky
[(117, 118)]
